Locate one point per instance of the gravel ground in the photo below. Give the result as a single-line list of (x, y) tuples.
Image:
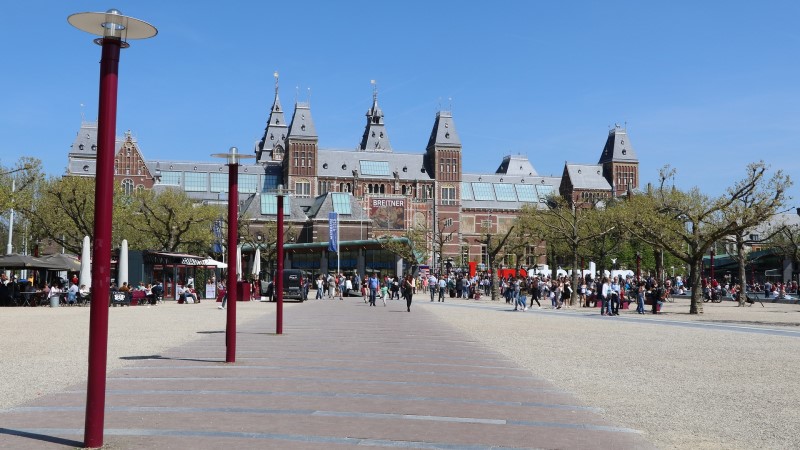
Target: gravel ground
[(44, 349), (685, 388)]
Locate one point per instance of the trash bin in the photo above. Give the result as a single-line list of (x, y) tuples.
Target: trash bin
[(54, 303)]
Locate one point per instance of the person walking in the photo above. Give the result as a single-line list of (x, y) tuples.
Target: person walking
[(408, 291), (657, 295), (442, 287), (373, 288), (433, 284), (320, 283)]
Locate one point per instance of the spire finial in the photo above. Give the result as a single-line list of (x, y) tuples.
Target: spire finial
[(83, 115), (374, 91), (275, 74), (308, 100)]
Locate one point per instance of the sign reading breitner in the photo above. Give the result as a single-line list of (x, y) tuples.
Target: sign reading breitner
[(388, 213)]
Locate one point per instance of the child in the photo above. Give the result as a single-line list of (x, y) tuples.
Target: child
[(384, 292)]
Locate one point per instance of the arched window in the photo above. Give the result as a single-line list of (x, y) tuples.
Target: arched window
[(383, 188), (127, 186), (403, 190)]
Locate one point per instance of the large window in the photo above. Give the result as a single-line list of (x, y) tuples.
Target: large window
[(526, 193), (448, 195), (341, 203), (270, 183), (377, 168), (219, 182), (248, 184), (302, 188), (171, 178), (195, 182), (466, 191), (269, 205), (544, 191), (505, 192), (127, 186), (483, 191)]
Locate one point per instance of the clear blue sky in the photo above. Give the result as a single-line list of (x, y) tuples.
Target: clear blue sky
[(705, 86)]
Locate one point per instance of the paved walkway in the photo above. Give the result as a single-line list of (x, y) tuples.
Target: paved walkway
[(342, 375)]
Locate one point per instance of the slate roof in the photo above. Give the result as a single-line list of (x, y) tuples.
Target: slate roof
[(375, 138), (342, 163), (444, 131), (323, 205), (251, 206), (618, 147), (302, 125), (587, 176), (275, 132), (516, 165)]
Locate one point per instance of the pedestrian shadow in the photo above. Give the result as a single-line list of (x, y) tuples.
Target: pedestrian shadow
[(42, 437), (211, 332), (159, 357)]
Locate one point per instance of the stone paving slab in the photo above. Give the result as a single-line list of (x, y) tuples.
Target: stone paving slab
[(342, 375)]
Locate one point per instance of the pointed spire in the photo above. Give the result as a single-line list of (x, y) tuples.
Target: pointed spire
[(276, 130), (302, 125), (444, 131), (375, 138), (618, 147)]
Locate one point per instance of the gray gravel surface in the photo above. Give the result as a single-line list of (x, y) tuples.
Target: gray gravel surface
[(44, 349), (692, 388), (686, 388)]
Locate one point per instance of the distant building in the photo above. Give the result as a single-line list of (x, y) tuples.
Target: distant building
[(376, 190)]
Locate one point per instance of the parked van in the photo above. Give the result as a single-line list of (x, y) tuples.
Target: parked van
[(293, 285)]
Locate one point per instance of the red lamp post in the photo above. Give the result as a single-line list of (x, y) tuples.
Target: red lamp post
[(114, 29), (233, 158), (279, 272)]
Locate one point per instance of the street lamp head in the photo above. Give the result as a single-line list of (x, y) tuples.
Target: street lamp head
[(232, 156), (112, 25)]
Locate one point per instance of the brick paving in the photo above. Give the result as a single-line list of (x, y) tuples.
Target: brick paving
[(342, 375)]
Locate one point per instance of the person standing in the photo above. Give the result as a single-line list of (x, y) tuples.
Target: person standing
[(614, 297), (640, 298), (605, 296), (657, 294), (433, 285), (320, 283), (408, 291), (442, 287), (373, 288)]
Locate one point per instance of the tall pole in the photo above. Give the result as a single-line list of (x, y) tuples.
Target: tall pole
[(279, 272), (112, 26), (233, 237), (9, 247), (101, 248), (712, 264), (638, 267)]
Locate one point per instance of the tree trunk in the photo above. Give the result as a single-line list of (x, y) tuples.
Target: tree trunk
[(695, 269), (573, 298), (741, 295)]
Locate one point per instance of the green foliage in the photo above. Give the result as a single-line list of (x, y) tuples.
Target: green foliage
[(170, 221)]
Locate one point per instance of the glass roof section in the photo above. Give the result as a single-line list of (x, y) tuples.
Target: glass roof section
[(377, 168), (544, 191), (269, 205), (505, 192), (466, 191), (341, 203), (526, 193), (483, 191)]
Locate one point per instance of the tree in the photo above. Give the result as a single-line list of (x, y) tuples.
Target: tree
[(785, 238), (18, 187), (687, 224), (494, 242), (411, 247), (63, 211), (568, 222), (439, 236), (171, 221), (265, 236)]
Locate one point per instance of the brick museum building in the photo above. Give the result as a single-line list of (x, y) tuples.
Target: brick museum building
[(376, 190)]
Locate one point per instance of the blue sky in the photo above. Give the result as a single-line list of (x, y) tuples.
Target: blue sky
[(705, 86)]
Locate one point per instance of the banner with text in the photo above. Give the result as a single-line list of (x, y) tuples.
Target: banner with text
[(388, 213), (333, 231)]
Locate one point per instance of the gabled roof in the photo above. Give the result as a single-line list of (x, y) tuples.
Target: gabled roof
[(252, 206), (516, 165), (302, 126), (274, 133), (444, 131), (342, 163), (586, 176), (375, 138), (618, 147)]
